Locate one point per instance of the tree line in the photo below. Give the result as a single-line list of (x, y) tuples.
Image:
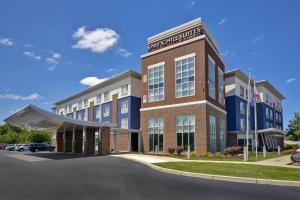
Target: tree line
[(14, 135)]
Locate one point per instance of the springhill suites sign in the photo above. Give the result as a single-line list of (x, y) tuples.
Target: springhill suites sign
[(186, 35)]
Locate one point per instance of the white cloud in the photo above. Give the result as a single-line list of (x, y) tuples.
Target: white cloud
[(225, 53), (110, 70), (99, 40), (92, 80), (34, 96), (222, 21), (123, 52), (53, 61), (28, 45), (290, 80), (6, 42), (258, 38), (191, 4), (32, 55)]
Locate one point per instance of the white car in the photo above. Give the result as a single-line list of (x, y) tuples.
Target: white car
[(22, 147)]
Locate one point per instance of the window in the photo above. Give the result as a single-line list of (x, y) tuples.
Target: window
[(106, 96), (185, 77), (271, 114), (242, 108), (267, 98), (155, 132), (98, 115), (267, 112), (106, 111), (221, 86), (85, 117), (185, 130), (85, 103), (211, 77), (65, 109), (246, 93), (242, 91), (124, 90), (124, 123), (79, 115), (222, 134), (124, 107), (70, 108), (267, 124), (79, 104), (242, 124), (98, 98), (156, 83), (279, 118), (213, 133)]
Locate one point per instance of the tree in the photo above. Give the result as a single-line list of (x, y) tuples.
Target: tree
[(294, 127)]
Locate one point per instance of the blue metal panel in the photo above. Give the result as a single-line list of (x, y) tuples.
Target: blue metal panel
[(133, 114)]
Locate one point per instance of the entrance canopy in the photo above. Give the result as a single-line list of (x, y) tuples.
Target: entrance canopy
[(34, 118)]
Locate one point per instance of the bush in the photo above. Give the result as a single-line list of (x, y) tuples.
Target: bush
[(290, 146), (232, 150), (171, 151), (208, 154), (288, 151), (179, 150), (218, 154)]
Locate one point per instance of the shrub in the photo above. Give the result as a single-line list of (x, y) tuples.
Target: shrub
[(179, 150), (290, 146), (171, 151), (218, 154), (288, 151), (208, 154), (232, 150)]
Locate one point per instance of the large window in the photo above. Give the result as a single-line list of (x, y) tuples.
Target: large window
[(155, 132), (124, 123), (98, 113), (85, 103), (185, 131), (156, 83), (124, 107), (221, 86), (267, 112), (79, 104), (185, 77), (211, 77), (222, 134), (213, 133)]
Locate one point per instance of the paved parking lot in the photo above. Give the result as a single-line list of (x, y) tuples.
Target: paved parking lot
[(73, 176)]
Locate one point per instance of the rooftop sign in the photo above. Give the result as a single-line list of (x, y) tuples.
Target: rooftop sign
[(180, 37)]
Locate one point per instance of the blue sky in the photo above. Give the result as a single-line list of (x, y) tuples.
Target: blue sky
[(47, 50)]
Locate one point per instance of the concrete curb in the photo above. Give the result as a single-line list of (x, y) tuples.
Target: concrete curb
[(220, 177)]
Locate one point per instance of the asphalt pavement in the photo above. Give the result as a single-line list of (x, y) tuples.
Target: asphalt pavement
[(73, 176)]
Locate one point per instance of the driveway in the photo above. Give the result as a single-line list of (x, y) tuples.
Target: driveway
[(72, 176)]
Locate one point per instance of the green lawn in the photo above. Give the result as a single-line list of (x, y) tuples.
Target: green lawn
[(238, 170), (252, 157)]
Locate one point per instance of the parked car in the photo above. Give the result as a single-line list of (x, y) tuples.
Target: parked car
[(22, 147), (296, 155), (11, 147), (2, 146), (41, 147)]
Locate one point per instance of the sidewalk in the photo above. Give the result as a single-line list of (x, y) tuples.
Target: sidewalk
[(280, 161)]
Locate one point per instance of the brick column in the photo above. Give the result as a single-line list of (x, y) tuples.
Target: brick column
[(104, 143)]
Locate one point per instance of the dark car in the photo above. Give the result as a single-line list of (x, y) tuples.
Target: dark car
[(40, 147), (2, 146)]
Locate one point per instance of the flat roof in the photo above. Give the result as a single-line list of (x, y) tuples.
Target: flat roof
[(129, 73), (34, 118)]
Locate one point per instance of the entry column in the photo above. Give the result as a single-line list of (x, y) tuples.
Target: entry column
[(64, 140), (84, 140), (73, 140)]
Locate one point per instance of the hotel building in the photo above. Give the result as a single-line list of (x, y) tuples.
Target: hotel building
[(183, 91), (269, 112), (114, 101)]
